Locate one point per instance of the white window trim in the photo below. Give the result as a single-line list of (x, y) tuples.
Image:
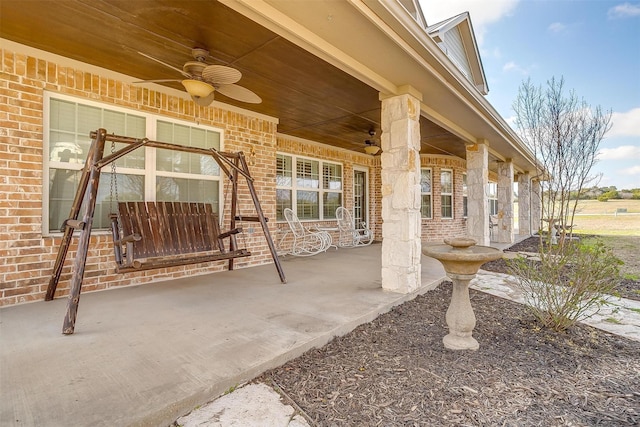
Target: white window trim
[(366, 188), (442, 193), (150, 154), (492, 196), (430, 193), (294, 186), (465, 195)]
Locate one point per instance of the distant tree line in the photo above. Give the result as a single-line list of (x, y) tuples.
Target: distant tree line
[(605, 193)]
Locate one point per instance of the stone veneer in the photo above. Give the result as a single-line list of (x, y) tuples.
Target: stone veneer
[(401, 244), (504, 233), (477, 179), (524, 203)]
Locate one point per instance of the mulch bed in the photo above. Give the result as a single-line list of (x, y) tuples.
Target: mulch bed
[(394, 371)]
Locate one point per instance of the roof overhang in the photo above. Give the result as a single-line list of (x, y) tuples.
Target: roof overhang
[(320, 66), (343, 33)]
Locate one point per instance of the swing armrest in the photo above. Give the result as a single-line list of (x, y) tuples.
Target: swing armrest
[(250, 218), (230, 233), (73, 223), (130, 238)]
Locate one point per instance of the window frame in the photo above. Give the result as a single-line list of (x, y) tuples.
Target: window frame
[(321, 191), (426, 193), (465, 196), (492, 198), (149, 172), (444, 194)]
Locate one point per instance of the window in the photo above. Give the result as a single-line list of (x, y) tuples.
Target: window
[(314, 192), (186, 177), (284, 184), (332, 185), (465, 196), (492, 196), (446, 193), (425, 193), (144, 174)]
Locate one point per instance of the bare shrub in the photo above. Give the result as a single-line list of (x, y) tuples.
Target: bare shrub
[(570, 283)]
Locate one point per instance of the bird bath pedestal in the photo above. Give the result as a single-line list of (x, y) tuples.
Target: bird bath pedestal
[(461, 259)]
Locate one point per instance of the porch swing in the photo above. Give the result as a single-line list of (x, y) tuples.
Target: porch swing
[(149, 235), (157, 234)]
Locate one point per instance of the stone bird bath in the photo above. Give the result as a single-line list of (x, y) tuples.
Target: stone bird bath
[(461, 259)]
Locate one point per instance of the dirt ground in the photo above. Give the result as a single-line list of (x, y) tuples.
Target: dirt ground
[(627, 248), (395, 371)]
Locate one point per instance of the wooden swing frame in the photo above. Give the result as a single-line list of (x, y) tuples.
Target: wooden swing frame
[(233, 165)]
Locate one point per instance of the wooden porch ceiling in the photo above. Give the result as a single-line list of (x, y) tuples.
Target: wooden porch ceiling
[(311, 98)]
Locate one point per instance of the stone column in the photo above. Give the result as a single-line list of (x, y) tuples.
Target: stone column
[(536, 206), (505, 202), (401, 232), (524, 204), (477, 201)]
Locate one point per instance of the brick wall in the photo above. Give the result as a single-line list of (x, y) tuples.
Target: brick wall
[(348, 159), (437, 228), (26, 257)]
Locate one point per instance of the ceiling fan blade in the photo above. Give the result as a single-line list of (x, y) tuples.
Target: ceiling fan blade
[(203, 102), (165, 64), (239, 93), (157, 81), (221, 75)]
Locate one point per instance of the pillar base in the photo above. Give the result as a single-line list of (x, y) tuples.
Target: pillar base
[(457, 342)]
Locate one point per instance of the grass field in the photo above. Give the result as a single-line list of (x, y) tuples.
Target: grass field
[(594, 207), (619, 231), (602, 218)]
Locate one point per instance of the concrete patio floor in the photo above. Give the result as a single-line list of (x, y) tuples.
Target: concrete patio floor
[(146, 355)]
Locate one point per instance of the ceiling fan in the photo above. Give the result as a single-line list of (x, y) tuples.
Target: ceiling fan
[(202, 80)]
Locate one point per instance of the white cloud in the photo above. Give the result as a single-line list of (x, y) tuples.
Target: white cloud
[(634, 170), (509, 66), (483, 13), (557, 27), (513, 67), (624, 10), (624, 152), (495, 53), (625, 124)]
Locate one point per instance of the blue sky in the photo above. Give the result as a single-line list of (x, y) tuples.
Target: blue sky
[(593, 44)]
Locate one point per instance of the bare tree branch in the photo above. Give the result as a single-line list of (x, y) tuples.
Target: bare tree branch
[(564, 133)]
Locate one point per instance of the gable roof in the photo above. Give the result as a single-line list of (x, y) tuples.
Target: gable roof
[(415, 10), (460, 30)]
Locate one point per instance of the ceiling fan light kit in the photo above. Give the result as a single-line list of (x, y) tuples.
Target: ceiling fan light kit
[(197, 88), (370, 146), (371, 149)]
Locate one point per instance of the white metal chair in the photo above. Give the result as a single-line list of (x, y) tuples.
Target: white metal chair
[(305, 242), (350, 235)]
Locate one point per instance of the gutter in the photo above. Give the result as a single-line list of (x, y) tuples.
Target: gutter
[(414, 32)]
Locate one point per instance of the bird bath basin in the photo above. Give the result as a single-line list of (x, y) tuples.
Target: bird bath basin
[(461, 259)]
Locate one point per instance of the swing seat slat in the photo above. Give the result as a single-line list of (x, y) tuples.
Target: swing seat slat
[(166, 234)]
